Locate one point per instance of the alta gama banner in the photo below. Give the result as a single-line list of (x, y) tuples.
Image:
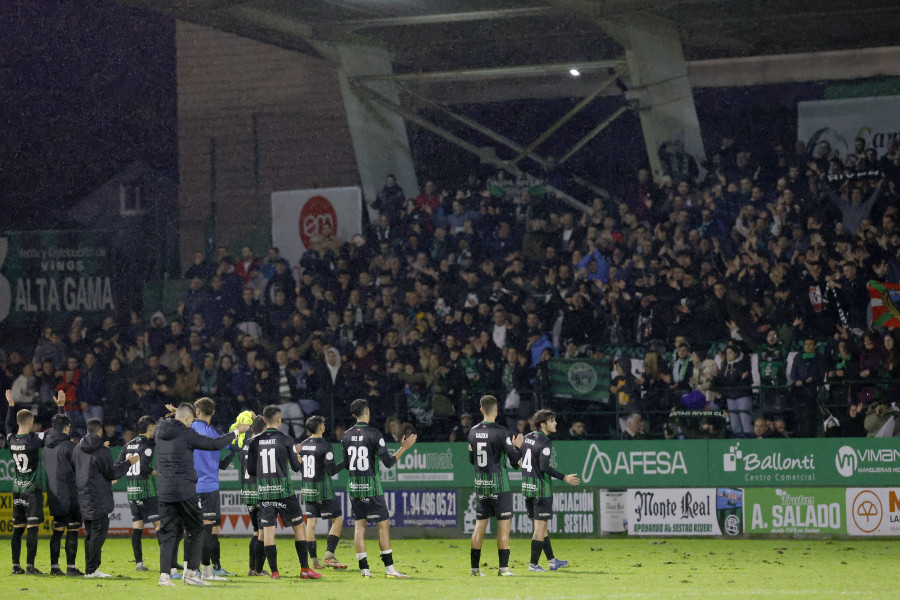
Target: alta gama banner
[(300, 216), (696, 511), (52, 273), (794, 510), (840, 122)]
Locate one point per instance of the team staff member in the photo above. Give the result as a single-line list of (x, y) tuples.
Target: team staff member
[(489, 446), (28, 493), (536, 473), (62, 495), (207, 465), (363, 445), (318, 493), (141, 478), (177, 486), (94, 474), (271, 458)]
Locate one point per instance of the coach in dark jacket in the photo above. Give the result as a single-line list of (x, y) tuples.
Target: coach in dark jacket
[(94, 474), (62, 493), (177, 488)]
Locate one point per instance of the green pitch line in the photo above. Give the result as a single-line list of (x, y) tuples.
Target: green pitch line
[(600, 568)]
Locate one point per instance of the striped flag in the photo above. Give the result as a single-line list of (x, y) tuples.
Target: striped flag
[(884, 298)]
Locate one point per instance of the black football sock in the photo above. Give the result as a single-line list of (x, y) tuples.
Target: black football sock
[(260, 555), (504, 558), (216, 562), (206, 553), (363, 559), (253, 542), (31, 545), (548, 549), (55, 543), (387, 557), (475, 555), (18, 532), (537, 546), (136, 545), (311, 548), (71, 547), (331, 543), (300, 545), (272, 556)]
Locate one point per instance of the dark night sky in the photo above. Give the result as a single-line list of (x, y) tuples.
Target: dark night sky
[(85, 89)]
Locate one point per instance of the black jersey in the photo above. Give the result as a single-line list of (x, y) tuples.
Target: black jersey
[(269, 458), (140, 478), (249, 495), (363, 445), (488, 443), (536, 470), (318, 468), (26, 454)]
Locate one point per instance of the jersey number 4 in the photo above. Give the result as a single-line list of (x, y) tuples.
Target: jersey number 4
[(526, 460), (359, 458)]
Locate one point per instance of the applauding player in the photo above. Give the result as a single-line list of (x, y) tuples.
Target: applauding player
[(269, 457), (363, 445), (141, 487), (317, 492), (488, 443), (250, 499), (536, 474)]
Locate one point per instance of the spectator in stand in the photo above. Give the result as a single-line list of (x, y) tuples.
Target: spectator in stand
[(200, 267), (91, 387), (734, 383), (634, 428), (390, 200), (807, 375), (247, 262)]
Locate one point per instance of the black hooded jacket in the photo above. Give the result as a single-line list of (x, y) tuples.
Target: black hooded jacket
[(175, 445), (94, 474), (62, 494)]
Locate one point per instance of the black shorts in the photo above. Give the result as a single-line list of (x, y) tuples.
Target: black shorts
[(330, 509), (28, 508), (499, 506), (254, 517), (209, 506), (69, 520), (287, 508), (373, 509), (146, 510), (539, 509)]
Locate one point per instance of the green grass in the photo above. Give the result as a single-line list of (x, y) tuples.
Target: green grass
[(600, 568)]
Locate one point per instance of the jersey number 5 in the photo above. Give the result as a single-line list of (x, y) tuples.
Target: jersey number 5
[(359, 458), (481, 455)]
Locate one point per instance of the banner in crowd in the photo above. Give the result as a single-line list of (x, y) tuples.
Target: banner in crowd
[(882, 300), (299, 216), (48, 274), (574, 513), (794, 510), (873, 511), (580, 379), (840, 122), (680, 511)]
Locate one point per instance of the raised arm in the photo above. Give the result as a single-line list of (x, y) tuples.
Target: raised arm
[(547, 468), (331, 467), (201, 442)]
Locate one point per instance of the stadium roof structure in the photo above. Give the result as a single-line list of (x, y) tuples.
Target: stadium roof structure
[(459, 35)]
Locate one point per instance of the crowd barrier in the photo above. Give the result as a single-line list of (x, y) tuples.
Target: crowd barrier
[(689, 487)]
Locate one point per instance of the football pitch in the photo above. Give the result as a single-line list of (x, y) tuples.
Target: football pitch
[(599, 568)]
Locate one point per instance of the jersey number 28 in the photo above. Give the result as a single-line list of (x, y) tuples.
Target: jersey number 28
[(359, 458)]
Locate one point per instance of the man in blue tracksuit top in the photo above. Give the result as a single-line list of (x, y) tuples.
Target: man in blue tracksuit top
[(207, 464)]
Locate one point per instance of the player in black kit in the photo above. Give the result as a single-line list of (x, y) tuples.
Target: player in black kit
[(317, 492), (363, 445), (141, 477), (271, 458), (250, 499), (489, 448), (537, 472), (28, 493), (62, 495)]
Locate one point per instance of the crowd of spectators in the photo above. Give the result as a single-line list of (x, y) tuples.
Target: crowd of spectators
[(452, 294)]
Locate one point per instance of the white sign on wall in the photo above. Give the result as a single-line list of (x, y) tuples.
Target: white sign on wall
[(840, 122), (873, 511), (668, 511), (300, 216)]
